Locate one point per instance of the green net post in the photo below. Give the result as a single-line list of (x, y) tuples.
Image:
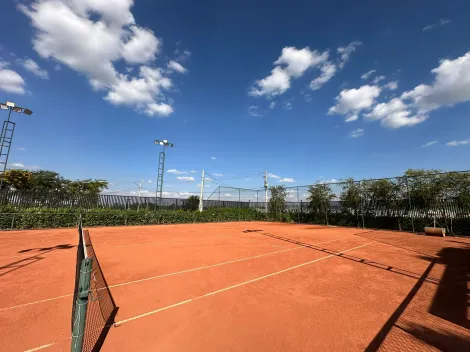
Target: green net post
[(81, 304)]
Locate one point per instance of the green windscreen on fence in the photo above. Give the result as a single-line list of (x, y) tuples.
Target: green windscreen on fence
[(94, 308)]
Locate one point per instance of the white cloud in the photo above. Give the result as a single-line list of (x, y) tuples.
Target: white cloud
[(17, 165), (273, 176), (21, 149), (395, 114), (352, 118), (346, 52), (441, 22), (150, 181), (11, 82), (287, 105), (176, 172), (287, 180), (378, 79), (142, 46), (292, 63), (217, 175), (298, 61), (272, 105), (213, 157), (277, 83), (355, 100), (356, 133), (186, 178), (33, 67), (457, 143), (57, 68), (255, 111), (428, 144), (175, 66), (90, 37), (328, 70), (227, 195), (367, 74), (451, 86), (193, 171), (391, 85)]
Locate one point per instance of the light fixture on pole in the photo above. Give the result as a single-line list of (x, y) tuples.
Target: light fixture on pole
[(6, 137), (161, 169)]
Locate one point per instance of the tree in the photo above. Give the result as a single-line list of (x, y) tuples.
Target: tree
[(320, 196), (192, 203), (381, 197), (16, 179), (351, 196), (277, 202)]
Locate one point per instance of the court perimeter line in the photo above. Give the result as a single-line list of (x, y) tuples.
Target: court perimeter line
[(171, 274), (237, 285), (40, 347)]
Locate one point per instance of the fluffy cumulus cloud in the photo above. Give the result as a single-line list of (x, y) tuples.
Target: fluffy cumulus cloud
[(328, 70), (90, 37), (391, 85), (395, 114), (451, 86), (294, 63), (34, 68), (355, 100), (176, 66), (11, 82)]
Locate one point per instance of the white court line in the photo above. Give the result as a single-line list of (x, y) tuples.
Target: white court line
[(174, 273), (237, 285), (40, 347)]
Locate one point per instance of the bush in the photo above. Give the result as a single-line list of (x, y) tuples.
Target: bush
[(58, 218), (192, 203)]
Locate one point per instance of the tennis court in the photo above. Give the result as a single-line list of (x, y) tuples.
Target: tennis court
[(242, 286)]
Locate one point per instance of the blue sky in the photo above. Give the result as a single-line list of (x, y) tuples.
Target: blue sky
[(305, 90)]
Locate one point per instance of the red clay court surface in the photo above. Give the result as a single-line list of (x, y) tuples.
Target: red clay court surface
[(245, 286)]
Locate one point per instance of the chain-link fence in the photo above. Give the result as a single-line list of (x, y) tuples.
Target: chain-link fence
[(407, 203)]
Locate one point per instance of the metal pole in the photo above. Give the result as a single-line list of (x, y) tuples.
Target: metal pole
[(4, 134), (81, 304), (201, 204)]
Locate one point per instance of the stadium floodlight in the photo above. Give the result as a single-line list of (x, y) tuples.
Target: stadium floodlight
[(161, 169), (8, 129)]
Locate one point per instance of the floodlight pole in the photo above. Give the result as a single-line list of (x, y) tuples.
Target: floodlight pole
[(5, 139), (161, 170), (201, 200)]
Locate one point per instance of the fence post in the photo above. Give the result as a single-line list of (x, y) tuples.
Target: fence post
[(409, 203), (13, 221)]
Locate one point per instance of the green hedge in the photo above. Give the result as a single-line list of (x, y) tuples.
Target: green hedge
[(59, 218)]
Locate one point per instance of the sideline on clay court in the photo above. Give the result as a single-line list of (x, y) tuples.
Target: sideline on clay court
[(242, 286)]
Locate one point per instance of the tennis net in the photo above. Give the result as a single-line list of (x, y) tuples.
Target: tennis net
[(94, 308)]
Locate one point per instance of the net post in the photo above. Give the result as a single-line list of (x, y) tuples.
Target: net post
[(81, 304)]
